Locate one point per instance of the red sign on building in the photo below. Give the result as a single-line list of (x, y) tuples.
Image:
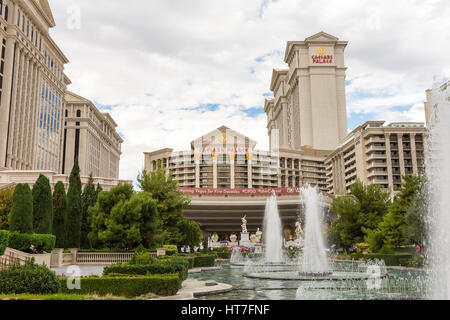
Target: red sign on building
[(238, 192)]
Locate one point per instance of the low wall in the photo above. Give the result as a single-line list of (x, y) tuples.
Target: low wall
[(13, 255), (59, 258)]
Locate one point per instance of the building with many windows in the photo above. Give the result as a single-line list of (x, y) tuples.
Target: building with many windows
[(376, 153), (32, 87), (226, 159), (90, 136), (43, 127)]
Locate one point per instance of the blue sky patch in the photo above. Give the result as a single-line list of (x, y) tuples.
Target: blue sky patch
[(203, 107), (254, 112)]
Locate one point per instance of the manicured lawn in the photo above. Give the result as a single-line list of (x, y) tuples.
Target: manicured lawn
[(5, 297)]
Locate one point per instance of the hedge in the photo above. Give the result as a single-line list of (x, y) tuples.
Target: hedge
[(171, 249), (400, 259), (158, 267), (29, 278), (207, 260), (4, 240), (163, 284), (23, 242)]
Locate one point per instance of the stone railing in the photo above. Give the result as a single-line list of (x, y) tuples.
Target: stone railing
[(103, 257), (16, 256), (59, 258)]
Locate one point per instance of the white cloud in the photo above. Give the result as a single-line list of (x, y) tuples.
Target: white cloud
[(156, 61)]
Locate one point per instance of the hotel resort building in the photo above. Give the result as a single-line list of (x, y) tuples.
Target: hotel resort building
[(377, 154), (227, 177), (44, 127)]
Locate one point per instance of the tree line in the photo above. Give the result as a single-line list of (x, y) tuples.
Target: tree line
[(368, 214), (121, 218)]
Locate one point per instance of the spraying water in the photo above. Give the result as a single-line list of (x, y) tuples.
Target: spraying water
[(314, 258), (272, 232), (438, 172)]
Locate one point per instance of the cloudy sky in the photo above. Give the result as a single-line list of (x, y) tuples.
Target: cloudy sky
[(170, 71)]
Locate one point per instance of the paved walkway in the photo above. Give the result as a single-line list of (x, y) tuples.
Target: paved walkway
[(197, 270), (192, 288)]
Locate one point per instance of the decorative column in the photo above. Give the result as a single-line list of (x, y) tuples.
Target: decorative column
[(250, 171), (387, 138), (214, 173), (232, 180), (197, 174), (414, 153), (401, 157), (5, 115)]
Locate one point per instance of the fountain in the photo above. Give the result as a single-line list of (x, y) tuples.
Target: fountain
[(438, 173), (236, 256), (313, 265), (272, 232), (314, 260)]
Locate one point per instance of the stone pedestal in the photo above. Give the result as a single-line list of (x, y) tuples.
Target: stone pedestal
[(258, 248), (245, 240)]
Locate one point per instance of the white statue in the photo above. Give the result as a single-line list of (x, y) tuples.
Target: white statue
[(244, 224), (233, 238), (258, 235), (253, 238), (298, 232), (215, 238)]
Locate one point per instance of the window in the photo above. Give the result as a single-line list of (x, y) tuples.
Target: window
[(1, 6), (6, 13)]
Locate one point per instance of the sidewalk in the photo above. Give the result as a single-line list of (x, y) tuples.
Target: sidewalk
[(192, 288)]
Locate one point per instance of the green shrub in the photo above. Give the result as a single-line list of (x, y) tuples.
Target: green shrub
[(223, 254), (23, 242), (4, 240), (357, 255), (189, 257), (28, 278), (21, 215), (157, 267), (206, 260), (141, 256), (386, 250), (401, 259), (163, 284), (171, 249)]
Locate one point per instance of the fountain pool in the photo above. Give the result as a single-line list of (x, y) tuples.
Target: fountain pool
[(397, 285)]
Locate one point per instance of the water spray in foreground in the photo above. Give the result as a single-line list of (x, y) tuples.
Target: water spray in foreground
[(438, 172), (314, 259), (272, 233)]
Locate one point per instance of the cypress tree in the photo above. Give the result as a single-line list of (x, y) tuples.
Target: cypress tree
[(73, 222), (21, 216), (42, 206), (88, 199), (99, 189), (59, 214)]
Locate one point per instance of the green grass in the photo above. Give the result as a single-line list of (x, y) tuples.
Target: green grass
[(58, 296)]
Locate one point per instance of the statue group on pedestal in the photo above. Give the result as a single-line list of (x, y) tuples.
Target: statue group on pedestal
[(256, 237)]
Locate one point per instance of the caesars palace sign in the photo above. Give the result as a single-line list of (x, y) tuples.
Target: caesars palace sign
[(322, 57)]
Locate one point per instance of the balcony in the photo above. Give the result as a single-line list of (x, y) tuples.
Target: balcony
[(375, 148), (376, 156), (376, 173), (374, 140)]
